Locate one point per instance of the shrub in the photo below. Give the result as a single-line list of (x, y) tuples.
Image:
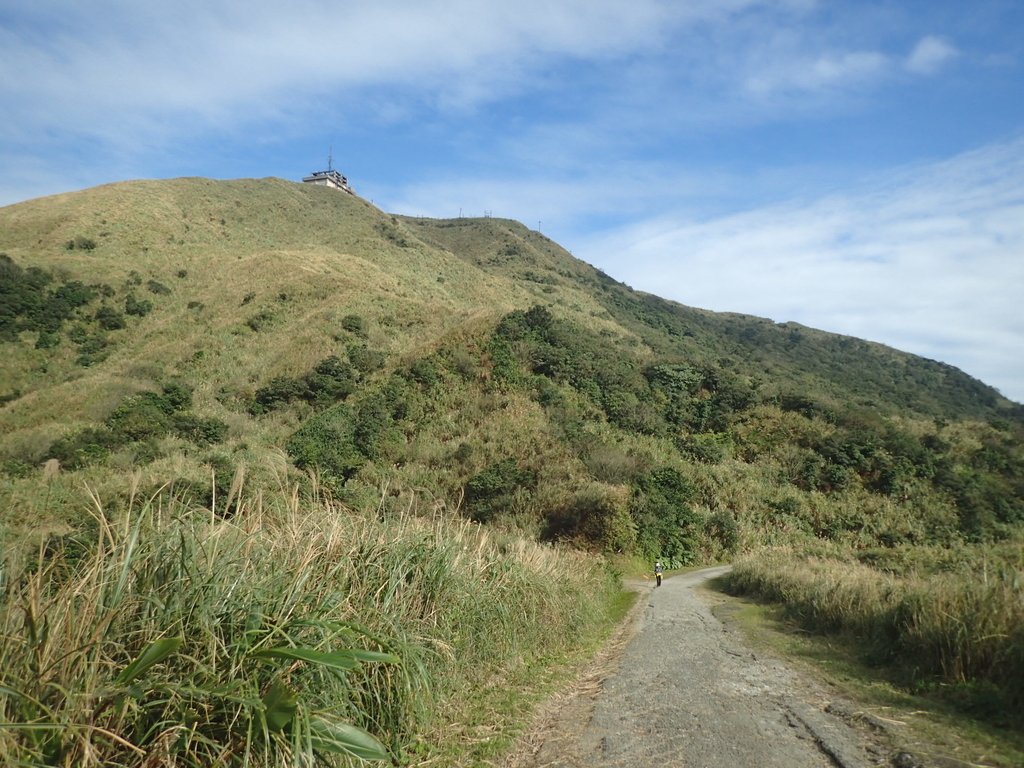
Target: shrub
[(331, 380), (261, 321), (365, 360), (109, 318), (199, 430), (84, 447), (47, 340), (154, 286), (489, 491), (325, 443), (133, 306), (371, 428), (278, 391), (175, 396), (666, 524), (92, 349), (424, 372), (708, 448), (597, 515), (141, 416), (80, 242), (354, 324), (723, 529)]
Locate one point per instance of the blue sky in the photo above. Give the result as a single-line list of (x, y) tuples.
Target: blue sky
[(852, 166)]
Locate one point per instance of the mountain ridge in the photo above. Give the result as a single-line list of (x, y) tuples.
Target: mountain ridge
[(250, 286)]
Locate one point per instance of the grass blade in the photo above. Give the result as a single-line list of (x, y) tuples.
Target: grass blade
[(153, 654), (344, 660), (344, 739)]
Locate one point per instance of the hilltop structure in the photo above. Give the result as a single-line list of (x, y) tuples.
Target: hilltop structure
[(329, 178)]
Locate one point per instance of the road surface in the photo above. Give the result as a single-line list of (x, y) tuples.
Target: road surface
[(679, 688)]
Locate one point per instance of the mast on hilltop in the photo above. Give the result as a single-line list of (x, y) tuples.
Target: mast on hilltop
[(330, 177)]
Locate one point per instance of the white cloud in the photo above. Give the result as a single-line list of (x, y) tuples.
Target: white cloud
[(823, 72), (107, 62), (929, 260), (930, 55)]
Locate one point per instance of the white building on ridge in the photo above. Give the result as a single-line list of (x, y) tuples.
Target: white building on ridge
[(329, 178)]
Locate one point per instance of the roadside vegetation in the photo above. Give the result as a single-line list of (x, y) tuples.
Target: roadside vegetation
[(946, 621), (262, 394), (291, 633)]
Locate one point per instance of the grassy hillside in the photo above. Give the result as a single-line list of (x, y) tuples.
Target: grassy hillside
[(203, 347)]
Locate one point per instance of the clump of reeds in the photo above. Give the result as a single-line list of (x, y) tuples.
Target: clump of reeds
[(293, 633), (964, 627)]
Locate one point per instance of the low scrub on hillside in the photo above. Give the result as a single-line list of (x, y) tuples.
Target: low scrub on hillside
[(295, 633)]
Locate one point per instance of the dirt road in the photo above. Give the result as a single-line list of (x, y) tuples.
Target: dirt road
[(679, 688)]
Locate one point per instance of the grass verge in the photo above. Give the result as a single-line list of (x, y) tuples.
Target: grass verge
[(295, 632), (924, 720)]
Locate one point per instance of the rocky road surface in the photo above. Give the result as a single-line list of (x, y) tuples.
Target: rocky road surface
[(677, 687)]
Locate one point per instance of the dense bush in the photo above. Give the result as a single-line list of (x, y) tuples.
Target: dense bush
[(596, 516), (109, 318), (331, 381), (197, 429), (137, 307), (714, 413), (666, 524), (29, 303), (365, 360), (490, 491), (141, 419), (354, 324), (326, 444), (87, 446), (80, 242)]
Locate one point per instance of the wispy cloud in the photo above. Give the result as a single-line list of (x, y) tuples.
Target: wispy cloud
[(929, 260), (209, 59), (823, 72), (929, 55)]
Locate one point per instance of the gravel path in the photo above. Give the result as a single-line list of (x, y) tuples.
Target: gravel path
[(678, 688)]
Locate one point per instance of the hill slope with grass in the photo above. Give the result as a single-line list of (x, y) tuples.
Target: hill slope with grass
[(183, 328), (253, 352)]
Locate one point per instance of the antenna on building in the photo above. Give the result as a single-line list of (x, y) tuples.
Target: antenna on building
[(330, 158)]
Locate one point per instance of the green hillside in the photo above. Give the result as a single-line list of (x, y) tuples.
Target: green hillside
[(230, 289), (215, 348)]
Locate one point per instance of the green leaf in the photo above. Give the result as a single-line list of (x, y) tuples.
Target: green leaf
[(279, 705), (344, 739), (344, 659), (375, 656), (154, 653)]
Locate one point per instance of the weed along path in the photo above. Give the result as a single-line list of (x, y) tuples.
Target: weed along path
[(679, 688)]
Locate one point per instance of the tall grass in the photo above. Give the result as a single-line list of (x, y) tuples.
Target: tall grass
[(963, 629), (294, 633)]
